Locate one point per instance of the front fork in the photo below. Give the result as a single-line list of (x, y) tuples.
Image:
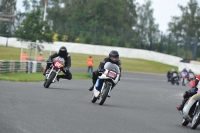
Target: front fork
[(196, 108), (107, 83), (52, 69)]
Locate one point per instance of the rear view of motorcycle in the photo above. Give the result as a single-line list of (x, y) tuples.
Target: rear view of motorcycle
[(175, 79), (191, 77), (184, 78), (191, 111), (105, 83), (53, 71)]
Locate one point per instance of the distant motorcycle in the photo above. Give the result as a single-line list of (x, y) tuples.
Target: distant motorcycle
[(53, 71), (174, 79), (105, 82), (184, 78), (191, 77), (191, 110)]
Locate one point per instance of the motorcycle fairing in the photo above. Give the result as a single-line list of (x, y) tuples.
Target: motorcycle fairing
[(189, 104), (104, 76), (99, 84)]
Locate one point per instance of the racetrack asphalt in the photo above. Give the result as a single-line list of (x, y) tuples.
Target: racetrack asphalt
[(140, 103)]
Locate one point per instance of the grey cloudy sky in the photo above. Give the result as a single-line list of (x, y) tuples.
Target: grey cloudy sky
[(163, 10)]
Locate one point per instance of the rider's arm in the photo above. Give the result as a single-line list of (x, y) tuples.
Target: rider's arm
[(68, 61), (102, 63), (120, 66), (53, 56)]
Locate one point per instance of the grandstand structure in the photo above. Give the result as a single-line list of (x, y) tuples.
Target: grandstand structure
[(8, 17)]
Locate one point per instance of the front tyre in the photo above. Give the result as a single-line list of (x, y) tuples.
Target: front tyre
[(185, 122), (49, 81), (94, 99), (196, 120), (45, 82), (104, 94)]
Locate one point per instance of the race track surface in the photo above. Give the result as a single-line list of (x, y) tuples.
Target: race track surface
[(140, 103)]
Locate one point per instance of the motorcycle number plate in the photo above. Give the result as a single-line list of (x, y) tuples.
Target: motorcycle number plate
[(174, 74), (191, 75), (58, 65), (112, 74)]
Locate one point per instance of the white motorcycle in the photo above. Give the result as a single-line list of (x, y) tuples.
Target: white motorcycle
[(184, 77), (104, 84), (191, 111), (191, 77)]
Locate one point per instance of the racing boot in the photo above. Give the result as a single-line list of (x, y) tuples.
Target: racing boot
[(44, 73), (180, 107), (91, 88), (58, 77)]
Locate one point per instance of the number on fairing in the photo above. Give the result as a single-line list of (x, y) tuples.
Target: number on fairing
[(112, 74), (191, 75), (58, 65)]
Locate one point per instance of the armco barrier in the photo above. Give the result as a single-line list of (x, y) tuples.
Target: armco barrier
[(17, 66)]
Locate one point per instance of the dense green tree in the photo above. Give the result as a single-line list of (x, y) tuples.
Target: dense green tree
[(146, 28), (33, 28), (7, 9), (185, 28)]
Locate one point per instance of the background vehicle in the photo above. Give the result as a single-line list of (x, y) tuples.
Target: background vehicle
[(191, 109), (105, 82), (53, 71), (174, 79), (184, 78), (191, 76)]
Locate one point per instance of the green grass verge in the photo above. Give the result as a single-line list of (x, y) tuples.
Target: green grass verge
[(79, 61), (37, 77)]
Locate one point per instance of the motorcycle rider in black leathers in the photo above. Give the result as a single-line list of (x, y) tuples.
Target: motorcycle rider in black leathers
[(113, 58), (172, 78), (191, 72), (168, 76), (186, 74), (62, 53), (193, 90)]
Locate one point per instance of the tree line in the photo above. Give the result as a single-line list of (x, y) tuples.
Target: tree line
[(122, 23)]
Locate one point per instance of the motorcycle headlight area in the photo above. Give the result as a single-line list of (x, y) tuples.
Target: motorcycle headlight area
[(112, 74)]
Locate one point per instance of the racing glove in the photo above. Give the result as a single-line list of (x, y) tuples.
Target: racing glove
[(65, 69)]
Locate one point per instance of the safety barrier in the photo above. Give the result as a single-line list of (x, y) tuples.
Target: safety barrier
[(9, 66)]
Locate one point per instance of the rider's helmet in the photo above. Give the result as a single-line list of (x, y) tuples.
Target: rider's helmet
[(190, 70), (62, 51), (184, 69), (198, 77), (114, 56)]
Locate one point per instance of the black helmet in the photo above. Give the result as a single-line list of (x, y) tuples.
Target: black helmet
[(62, 51), (114, 54)]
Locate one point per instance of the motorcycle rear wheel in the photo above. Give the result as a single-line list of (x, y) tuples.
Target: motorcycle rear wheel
[(49, 81)]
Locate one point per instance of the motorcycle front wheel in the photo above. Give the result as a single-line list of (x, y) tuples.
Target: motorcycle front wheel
[(104, 94), (196, 119), (45, 82), (94, 99), (49, 81), (185, 122)]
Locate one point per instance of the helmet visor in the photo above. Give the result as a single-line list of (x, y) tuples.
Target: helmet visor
[(114, 58)]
